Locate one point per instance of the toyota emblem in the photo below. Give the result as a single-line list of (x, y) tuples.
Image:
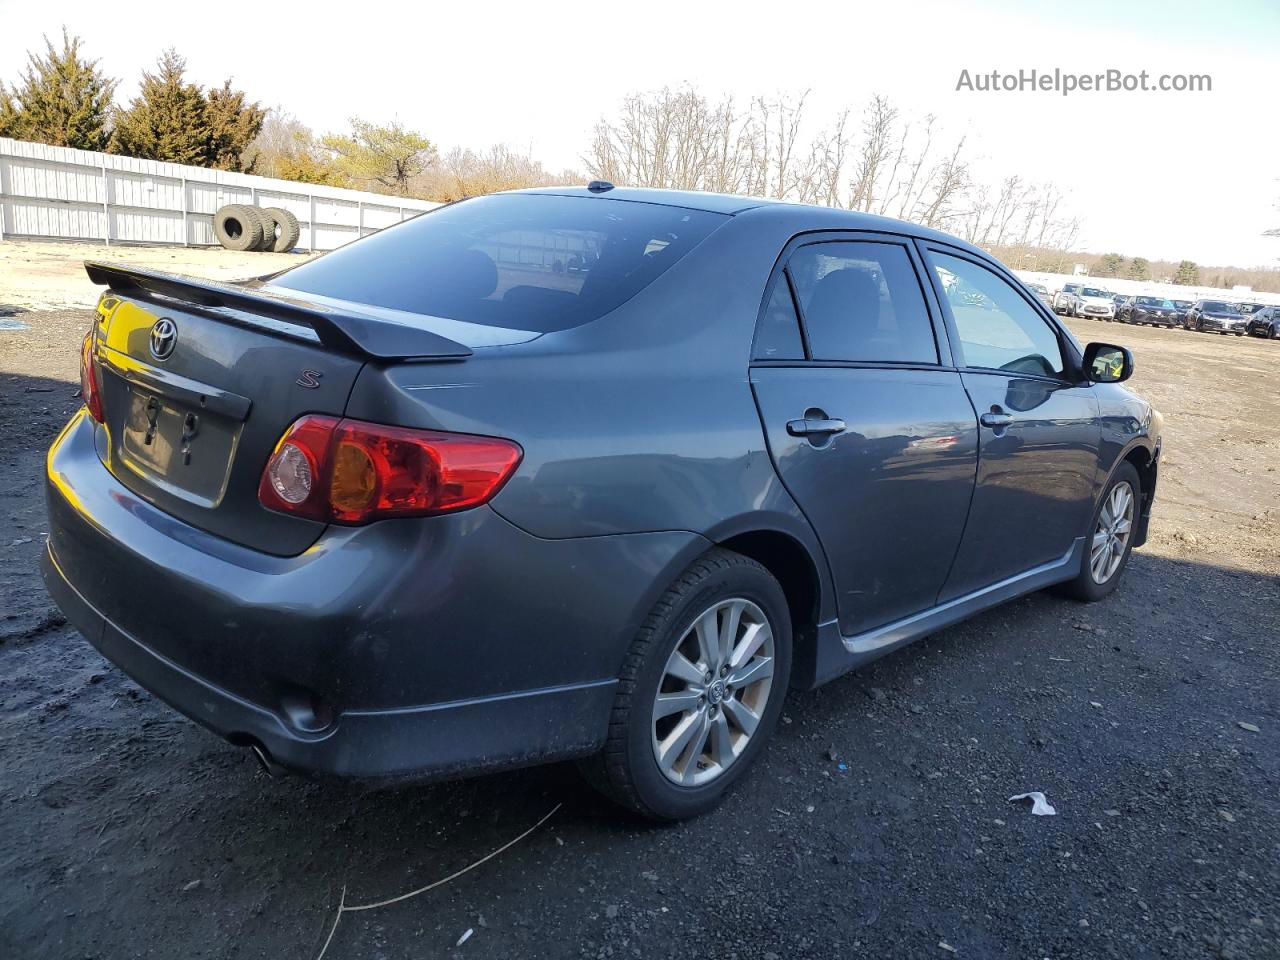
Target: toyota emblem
[(164, 337)]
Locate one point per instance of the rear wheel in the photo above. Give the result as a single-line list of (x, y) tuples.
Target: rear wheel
[(1107, 549), (700, 690)]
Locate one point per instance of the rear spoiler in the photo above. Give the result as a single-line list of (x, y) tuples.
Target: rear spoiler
[(343, 331)]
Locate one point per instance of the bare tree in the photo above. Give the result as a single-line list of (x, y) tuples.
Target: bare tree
[(908, 189), (780, 142), (463, 173), (947, 184), (891, 165), (820, 177), (878, 124)]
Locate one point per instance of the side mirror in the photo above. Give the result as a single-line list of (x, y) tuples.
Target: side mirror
[(1107, 363)]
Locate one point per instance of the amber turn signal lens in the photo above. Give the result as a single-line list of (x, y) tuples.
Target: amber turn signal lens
[(354, 484)]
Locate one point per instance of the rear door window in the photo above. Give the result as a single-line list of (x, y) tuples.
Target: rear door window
[(861, 301), (521, 261)]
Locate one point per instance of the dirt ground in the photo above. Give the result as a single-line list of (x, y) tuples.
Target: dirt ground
[(876, 825), (50, 276)]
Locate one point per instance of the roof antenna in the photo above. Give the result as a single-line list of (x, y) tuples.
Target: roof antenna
[(599, 186)]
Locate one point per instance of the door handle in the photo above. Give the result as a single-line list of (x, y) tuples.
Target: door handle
[(995, 420), (807, 428)]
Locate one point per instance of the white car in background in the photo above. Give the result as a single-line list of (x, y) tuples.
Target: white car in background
[(1092, 302)]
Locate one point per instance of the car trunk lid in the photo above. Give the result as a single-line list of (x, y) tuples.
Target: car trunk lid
[(199, 380)]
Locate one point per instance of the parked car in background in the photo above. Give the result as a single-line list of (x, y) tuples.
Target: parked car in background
[(1247, 310), (1214, 316), (1265, 323), (1117, 299), (425, 506), (1093, 302), (1182, 306), (1156, 311), (1042, 293), (1064, 300)]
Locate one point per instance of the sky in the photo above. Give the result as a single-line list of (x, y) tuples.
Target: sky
[(1164, 175)]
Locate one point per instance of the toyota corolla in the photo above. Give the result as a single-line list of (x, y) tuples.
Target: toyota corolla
[(577, 473)]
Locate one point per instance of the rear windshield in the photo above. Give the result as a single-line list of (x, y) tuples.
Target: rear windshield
[(523, 262)]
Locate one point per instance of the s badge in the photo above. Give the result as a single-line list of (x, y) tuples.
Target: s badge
[(309, 379)]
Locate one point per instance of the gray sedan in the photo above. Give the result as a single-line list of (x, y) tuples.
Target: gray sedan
[(577, 473)]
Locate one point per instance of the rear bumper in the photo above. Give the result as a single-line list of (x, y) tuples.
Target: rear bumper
[(531, 726), (420, 647)]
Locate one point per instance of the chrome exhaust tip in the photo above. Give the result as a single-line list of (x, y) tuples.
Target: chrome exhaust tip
[(268, 765)]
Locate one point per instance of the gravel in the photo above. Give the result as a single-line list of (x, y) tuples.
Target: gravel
[(876, 825)]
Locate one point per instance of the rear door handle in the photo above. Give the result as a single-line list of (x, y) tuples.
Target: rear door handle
[(806, 428), (996, 420)]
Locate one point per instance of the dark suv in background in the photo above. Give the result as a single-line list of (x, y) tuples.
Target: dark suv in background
[(429, 504)]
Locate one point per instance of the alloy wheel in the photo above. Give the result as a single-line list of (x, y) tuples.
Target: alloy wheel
[(713, 693), (1111, 537)]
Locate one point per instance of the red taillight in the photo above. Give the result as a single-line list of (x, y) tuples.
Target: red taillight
[(352, 472), (89, 378)]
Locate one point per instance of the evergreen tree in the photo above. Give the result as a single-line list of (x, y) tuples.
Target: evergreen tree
[(1140, 269), (1110, 265), (233, 123), (1188, 274), (62, 99), (168, 120)]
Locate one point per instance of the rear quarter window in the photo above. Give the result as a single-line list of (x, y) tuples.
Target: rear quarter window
[(525, 262)]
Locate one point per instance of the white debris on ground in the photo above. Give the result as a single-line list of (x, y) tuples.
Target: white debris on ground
[(50, 276), (1040, 806)]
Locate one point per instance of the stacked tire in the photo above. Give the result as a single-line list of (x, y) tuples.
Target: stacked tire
[(241, 227)]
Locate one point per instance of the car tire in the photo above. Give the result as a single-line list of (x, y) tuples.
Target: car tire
[(237, 227), (285, 230), (628, 769), (1086, 585)]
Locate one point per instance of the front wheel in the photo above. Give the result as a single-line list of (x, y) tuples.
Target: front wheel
[(700, 690), (1107, 548)]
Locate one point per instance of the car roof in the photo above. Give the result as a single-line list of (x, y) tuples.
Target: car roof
[(690, 199), (803, 216)]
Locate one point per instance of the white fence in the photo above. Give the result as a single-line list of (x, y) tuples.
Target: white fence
[(64, 194)]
